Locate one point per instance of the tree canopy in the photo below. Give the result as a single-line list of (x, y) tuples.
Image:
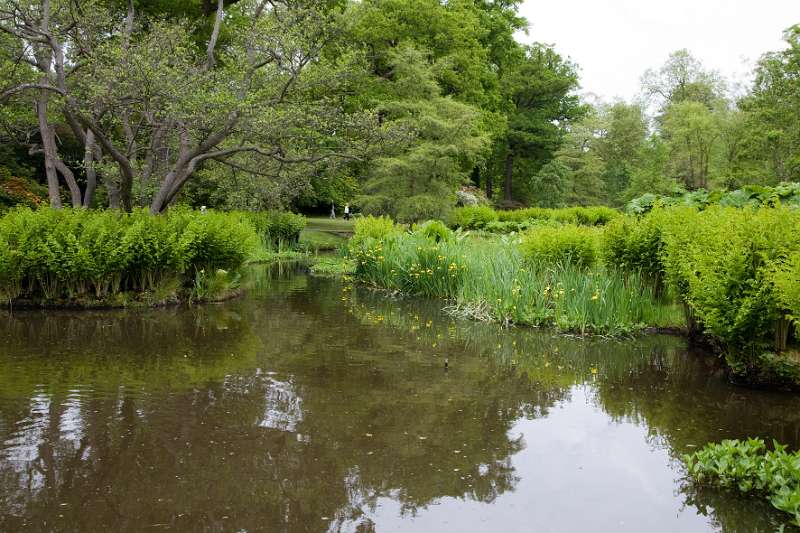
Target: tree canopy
[(391, 105)]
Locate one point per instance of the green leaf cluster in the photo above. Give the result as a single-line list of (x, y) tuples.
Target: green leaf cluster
[(568, 244), (50, 255), (749, 467)]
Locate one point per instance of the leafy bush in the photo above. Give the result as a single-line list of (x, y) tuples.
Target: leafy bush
[(422, 207), (19, 191), (483, 217), (48, 254), (276, 228), (786, 280), (472, 217), (373, 228), (747, 466), (434, 230), (567, 244), (786, 194), (722, 261), (633, 244)]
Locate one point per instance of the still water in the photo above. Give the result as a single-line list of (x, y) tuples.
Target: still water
[(309, 405)]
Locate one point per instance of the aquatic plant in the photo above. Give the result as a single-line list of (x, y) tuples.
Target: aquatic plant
[(490, 279), (749, 467)]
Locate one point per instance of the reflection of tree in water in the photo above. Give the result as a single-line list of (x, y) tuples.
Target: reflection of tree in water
[(299, 411), (685, 402), (683, 399), (283, 411)]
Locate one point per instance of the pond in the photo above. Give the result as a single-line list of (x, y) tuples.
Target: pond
[(312, 405)]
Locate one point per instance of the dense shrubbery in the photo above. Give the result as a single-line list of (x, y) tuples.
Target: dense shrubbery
[(370, 227), (635, 245), (486, 218), (568, 244), (17, 191), (435, 230), (787, 194), (490, 279), (748, 466), (52, 255), (276, 228), (735, 270)]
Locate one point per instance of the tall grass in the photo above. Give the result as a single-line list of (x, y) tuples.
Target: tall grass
[(491, 280)]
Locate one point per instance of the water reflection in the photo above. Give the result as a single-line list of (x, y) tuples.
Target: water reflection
[(312, 407)]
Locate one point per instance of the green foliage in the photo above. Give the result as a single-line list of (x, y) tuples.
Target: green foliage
[(721, 261), (749, 467), (434, 230), (507, 288), (750, 196), (332, 266), (482, 217), (275, 228), (568, 244), (542, 103), (786, 281), (472, 217), (53, 255), (634, 245), (373, 228), (735, 270)]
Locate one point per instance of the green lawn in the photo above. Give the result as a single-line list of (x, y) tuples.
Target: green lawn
[(316, 239), (337, 225)]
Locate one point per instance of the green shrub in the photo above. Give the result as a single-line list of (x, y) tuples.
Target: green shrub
[(567, 244), (786, 280), (722, 259), (275, 228), (52, 254), (750, 196), (422, 207), (523, 215), (434, 230), (482, 217), (472, 217), (595, 216), (370, 227), (635, 244), (747, 466)]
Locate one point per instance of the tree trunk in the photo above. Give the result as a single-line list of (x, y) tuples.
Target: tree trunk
[(48, 145), (489, 186), (91, 174), (69, 178), (508, 176)]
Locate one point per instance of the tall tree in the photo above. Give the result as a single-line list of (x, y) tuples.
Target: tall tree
[(540, 92), (143, 94), (772, 141), (682, 78)]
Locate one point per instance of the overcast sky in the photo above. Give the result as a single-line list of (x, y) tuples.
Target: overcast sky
[(615, 41)]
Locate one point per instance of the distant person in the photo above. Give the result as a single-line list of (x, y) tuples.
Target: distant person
[(347, 211), (333, 210)]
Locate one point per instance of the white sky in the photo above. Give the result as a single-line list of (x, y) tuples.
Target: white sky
[(615, 41)]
